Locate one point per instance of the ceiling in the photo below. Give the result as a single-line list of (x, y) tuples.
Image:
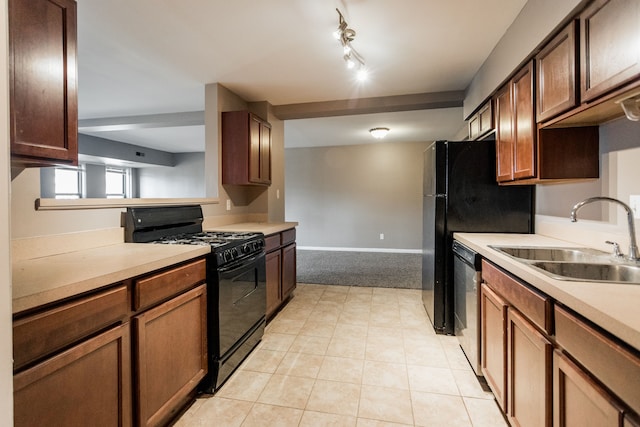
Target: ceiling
[(151, 57)]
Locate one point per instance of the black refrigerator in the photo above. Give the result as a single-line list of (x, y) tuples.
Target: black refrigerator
[(461, 195)]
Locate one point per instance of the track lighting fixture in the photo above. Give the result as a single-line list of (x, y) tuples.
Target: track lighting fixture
[(351, 56)]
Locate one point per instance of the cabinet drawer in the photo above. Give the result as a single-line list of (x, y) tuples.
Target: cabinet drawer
[(611, 363), (535, 306), (288, 236), (156, 288), (40, 334), (272, 242)]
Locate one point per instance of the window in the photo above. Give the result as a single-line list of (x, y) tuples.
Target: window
[(68, 183), (117, 183)]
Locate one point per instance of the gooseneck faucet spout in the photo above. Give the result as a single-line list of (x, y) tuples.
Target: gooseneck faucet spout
[(633, 247)]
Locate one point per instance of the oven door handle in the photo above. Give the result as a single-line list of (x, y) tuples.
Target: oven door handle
[(242, 263)]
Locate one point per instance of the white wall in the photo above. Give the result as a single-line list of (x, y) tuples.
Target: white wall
[(6, 349), (184, 180), (537, 19), (345, 196)]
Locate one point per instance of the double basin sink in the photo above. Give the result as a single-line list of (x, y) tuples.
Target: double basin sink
[(580, 264)]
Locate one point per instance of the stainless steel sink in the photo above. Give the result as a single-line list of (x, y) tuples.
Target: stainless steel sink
[(538, 253), (617, 273)]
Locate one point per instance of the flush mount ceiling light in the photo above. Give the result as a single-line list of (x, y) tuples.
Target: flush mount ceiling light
[(351, 56), (379, 133)]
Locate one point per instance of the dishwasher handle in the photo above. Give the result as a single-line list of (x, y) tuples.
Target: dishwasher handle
[(468, 256)]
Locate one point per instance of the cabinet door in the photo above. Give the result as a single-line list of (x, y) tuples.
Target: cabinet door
[(254, 149), (529, 374), (274, 278), (580, 401), (504, 135), (43, 92), (474, 127), (288, 270), (265, 153), (556, 75), (171, 355), (89, 384), (493, 342), (524, 122), (610, 52)]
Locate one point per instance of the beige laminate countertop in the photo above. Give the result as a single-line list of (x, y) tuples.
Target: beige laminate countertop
[(47, 279), (260, 227), (612, 306)]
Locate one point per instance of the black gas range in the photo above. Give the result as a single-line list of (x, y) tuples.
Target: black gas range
[(236, 281)]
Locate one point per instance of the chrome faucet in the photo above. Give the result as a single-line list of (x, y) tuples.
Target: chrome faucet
[(633, 247)]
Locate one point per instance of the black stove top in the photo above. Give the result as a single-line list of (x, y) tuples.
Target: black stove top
[(182, 225), (214, 239)]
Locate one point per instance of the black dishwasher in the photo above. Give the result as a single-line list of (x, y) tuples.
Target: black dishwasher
[(466, 283)]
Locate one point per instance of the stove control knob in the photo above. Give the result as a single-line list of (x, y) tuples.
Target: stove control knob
[(234, 253), (246, 248), (227, 256)]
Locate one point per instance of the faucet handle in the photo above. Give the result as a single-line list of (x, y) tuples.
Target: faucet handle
[(616, 249)]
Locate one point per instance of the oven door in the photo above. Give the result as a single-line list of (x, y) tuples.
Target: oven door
[(242, 299)]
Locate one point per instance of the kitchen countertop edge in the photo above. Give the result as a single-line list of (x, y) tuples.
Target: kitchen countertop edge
[(266, 228), (611, 306), (44, 280)]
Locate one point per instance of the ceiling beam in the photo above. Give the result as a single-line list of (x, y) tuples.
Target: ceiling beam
[(108, 124), (382, 104)]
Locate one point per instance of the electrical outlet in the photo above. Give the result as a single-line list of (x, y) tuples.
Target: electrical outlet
[(381, 236), (278, 193), (228, 204), (634, 204)]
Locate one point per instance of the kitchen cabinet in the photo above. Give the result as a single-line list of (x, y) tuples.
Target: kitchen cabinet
[(556, 67), (515, 324), (529, 373), (613, 367), (526, 154), (548, 365), (87, 383), (131, 353), (579, 400), (246, 149), (280, 268), (481, 123), (171, 355), (493, 336), (43, 82), (609, 50), (515, 129)]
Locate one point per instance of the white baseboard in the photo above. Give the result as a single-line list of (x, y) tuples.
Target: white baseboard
[(337, 249)]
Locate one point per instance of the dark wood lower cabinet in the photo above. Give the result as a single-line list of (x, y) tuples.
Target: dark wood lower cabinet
[(88, 384), (288, 269), (274, 278), (529, 373), (580, 401), (171, 355), (281, 268), (493, 325)]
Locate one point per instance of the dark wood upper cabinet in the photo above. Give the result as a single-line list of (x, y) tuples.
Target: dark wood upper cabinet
[(481, 123), (516, 129), (609, 47), (504, 135), (556, 67), (246, 149), (43, 87), (524, 124)]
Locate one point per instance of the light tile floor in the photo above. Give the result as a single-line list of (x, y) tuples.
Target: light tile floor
[(350, 356)]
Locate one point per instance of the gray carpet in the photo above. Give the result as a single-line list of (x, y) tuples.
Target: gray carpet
[(378, 269)]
